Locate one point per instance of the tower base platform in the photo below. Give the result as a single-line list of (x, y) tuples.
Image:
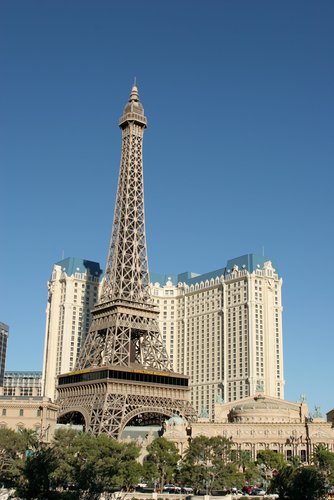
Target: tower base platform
[(110, 397)]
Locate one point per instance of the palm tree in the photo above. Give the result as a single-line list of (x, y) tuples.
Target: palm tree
[(29, 439)]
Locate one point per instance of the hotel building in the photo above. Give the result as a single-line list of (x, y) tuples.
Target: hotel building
[(224, 330), (72, 292)]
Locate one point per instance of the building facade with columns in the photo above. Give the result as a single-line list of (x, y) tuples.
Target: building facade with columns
[(224, 330), (257, 423)]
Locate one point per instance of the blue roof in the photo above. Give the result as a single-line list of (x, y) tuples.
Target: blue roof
[(250, 262), (174, 278), (207, 276), (73, 265)]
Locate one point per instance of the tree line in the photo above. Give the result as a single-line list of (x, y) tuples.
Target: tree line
[(78, 465)]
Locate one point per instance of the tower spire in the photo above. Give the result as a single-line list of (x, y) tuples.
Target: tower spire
[(126, 275), (134, 96), (131, 337)]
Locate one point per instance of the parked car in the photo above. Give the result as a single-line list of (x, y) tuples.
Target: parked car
[(144, 489), (171, 488), (258, 492), (142, 485), (188, 490)]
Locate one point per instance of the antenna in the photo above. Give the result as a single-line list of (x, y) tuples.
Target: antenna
[(262, 250)]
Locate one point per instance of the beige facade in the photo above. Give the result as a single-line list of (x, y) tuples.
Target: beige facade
[(257, 423), (35, 413), (224, 330), (72, 292)]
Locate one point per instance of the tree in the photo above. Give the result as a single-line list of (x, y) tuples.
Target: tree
[(324, 460), (36, 475), (252, 474), (242, 458), (12, 455), (197, 463), (29, 438), (244, 462), (270, 459), (129, 470), (299, 483), (94, 463), (161, 462), (204, 451), (207, 463), (226, 476), (65, 448), (308, 484), (283, 481), (130, 474), (82, 462)]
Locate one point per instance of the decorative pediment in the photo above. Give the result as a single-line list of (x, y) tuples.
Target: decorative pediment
[(175, 435), (320, 433)]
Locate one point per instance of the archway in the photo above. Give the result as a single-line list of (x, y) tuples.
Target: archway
[(72, 419), (141, 423)]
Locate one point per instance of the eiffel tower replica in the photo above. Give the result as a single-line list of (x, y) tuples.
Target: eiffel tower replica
[(123, 373)]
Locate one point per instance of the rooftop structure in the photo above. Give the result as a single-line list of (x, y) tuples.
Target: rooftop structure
[(22, 383)]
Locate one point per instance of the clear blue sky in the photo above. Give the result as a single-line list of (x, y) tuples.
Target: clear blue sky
[(238, 154)]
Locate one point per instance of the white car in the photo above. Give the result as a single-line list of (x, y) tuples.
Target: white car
[(188, 490), (171, 488), (258, 491)]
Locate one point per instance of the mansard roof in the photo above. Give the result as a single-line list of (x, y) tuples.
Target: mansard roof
[(250, 262), (71, 265)]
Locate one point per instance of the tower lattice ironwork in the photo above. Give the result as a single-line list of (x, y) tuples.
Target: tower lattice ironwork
[(123, 372)]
